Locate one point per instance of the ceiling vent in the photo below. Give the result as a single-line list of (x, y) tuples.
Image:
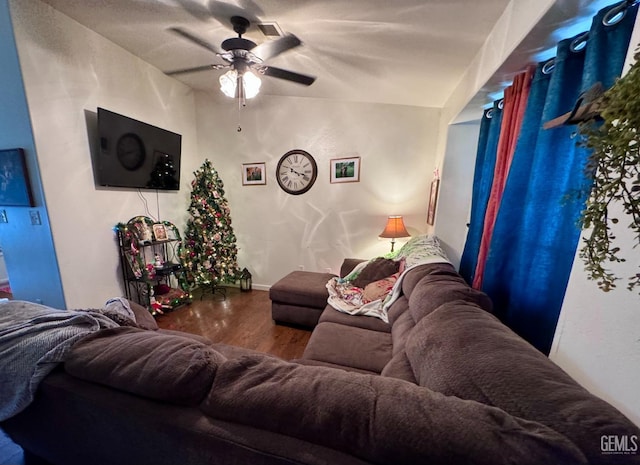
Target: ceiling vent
[(271, 29)]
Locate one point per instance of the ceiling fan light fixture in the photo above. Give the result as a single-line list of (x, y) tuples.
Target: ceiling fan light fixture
[(228, 83), (250, 83)]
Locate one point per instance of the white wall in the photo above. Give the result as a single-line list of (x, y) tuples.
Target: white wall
[(456, 187), (278, 232), (68, 72), (597, 339)]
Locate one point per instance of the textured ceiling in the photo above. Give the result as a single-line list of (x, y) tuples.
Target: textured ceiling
[(408, 52)]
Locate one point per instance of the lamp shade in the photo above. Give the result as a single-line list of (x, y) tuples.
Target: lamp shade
[(395, 228)]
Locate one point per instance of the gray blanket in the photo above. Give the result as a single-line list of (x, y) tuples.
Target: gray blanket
[(33, 340)]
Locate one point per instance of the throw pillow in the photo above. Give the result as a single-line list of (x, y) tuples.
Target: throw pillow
[(375, 270)]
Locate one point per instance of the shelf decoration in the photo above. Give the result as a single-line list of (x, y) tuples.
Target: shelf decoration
[(147, 264)]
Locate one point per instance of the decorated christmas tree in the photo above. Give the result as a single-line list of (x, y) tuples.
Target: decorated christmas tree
[(209, 252)]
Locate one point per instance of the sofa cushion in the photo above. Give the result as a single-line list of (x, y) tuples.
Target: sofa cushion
[(400, 331), (414, 275), (147, 363), (399, 368), (348, 265), (349, 346), (381, 420), (397, 308), (462, 350), (376, 270), (144, 319), (195, 337), (332, 315), (318, 363), (434, 290)]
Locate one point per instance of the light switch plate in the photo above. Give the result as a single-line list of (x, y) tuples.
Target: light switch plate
[(35, 217)]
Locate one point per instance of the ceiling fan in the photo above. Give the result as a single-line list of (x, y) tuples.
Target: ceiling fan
[(243, 57)]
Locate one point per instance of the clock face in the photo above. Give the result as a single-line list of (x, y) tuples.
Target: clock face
[(130, 151), (296, 172)]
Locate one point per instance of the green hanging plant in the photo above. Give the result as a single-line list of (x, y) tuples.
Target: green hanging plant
[(614, 166)]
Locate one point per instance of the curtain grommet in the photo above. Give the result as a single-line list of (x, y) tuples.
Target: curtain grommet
[(617, 14), (548, 66), (580, 42)]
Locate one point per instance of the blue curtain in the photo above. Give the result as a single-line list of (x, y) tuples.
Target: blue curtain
[(482, 181), (536, 231)]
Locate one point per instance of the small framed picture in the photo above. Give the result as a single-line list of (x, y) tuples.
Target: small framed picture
[(159, 232), (345, 169), (142, 230), (433, 201), (254, 174), (15, 189)]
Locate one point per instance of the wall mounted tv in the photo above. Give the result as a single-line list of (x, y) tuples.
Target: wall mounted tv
[(136, 154)]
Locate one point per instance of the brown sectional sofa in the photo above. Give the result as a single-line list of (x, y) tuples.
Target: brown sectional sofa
[(443, 383)]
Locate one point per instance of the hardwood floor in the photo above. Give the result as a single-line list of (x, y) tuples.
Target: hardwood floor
[(242, 319)]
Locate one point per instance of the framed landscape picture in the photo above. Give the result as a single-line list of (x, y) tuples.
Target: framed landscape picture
[(345, 170), (15, 190), (254, 174)]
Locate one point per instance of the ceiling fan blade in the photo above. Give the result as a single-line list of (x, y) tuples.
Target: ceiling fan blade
[(195, 39), (287, 75), (272, 48), (194, 70)]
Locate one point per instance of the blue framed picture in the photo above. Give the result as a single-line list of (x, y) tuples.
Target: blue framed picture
[(15, 190)]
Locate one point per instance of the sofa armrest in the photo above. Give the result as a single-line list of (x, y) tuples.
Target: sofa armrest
[(348, 265), (144, 318)]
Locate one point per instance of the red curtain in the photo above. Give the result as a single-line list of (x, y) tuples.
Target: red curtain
[(515, 102)]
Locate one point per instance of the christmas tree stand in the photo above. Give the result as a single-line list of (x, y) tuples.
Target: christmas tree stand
[(213, 290)]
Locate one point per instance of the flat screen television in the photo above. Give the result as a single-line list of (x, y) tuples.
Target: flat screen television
[(136, 154)]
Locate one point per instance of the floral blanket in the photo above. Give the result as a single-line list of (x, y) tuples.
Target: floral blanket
[(377, 297)]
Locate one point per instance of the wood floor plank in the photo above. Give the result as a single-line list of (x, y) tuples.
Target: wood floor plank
[(241, 319)]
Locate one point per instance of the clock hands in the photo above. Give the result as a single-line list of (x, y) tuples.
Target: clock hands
[(304, 176)]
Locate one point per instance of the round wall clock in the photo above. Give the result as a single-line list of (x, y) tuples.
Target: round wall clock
[(296, 172), (130, 151)]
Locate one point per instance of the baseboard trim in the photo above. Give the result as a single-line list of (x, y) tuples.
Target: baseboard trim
[(261, 287)]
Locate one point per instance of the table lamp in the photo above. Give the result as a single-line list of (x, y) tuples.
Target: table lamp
[(395, 228)]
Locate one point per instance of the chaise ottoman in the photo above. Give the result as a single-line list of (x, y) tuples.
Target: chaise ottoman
[(300, 297)]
